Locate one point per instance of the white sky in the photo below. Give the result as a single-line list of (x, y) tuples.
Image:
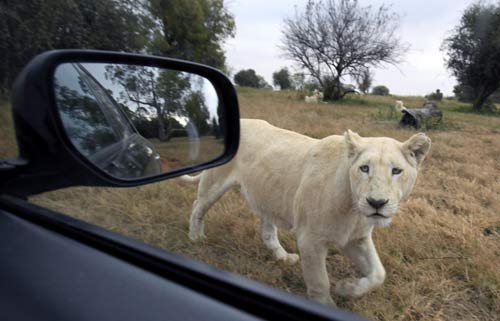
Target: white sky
[(424, 24)]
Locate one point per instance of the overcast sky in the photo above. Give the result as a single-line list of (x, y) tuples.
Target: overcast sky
[(424, 24)]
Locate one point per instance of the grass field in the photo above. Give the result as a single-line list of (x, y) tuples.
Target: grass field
[(180, 152), (442, 252)]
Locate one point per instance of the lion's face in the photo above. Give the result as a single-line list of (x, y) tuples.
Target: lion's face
[(383, 172)]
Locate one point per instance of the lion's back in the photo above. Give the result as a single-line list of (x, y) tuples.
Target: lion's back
[(268, 167)]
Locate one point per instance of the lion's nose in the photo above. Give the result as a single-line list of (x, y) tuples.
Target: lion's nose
[(376, 204)]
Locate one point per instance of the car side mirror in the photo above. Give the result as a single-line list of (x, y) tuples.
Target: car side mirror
[(133, 121), (101, 118)]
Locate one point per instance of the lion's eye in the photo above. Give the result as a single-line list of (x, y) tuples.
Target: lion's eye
[(396, 171), (364, 168)]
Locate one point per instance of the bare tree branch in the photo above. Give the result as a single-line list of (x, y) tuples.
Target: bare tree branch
[(332, 39)]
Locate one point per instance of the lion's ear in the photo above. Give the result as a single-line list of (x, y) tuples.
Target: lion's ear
[(417, 147), (353, 142)]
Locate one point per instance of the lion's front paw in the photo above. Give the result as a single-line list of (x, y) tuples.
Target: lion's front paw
[(291, 258), (351, 287), (196, 230), (196, 235), (324, 299)]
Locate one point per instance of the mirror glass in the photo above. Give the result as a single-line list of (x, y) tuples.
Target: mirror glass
[(135, 121)]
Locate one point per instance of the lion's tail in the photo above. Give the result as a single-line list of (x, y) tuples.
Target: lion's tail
[(190, 179)]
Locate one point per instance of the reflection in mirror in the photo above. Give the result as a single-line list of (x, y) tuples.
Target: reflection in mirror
[(136, 121)]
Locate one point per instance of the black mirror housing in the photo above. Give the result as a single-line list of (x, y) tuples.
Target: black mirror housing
[(48, 160)]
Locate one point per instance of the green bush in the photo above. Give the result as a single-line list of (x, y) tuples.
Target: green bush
[(380, 90), (437, 95), (282, 79), (249, 78)]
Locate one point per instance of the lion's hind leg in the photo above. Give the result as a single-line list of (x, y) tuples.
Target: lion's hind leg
[(213, 184), (269, 234)]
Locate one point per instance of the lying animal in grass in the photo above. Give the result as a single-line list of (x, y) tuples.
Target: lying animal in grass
[(399, 106), (326, 191), (318, 94), (311, 99), (316, 97)]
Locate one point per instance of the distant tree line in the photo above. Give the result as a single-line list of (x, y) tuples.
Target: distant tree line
[(185, 29), (249, 78), (380, 90), (283, 79)]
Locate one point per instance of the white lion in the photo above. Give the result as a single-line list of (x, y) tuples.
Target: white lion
[(328, 191), (316, 97), (399, 106)]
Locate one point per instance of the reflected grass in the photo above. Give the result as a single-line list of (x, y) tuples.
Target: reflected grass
[(180, 152)]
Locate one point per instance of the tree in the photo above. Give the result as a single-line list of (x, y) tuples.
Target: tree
[(162, 91), (495, 97), (299, 80), (282, 79), (193, 30), (28, 28), (364, 80), (473, 52), (380, 90), (85, 123), (463, 93), (311, 85), (332, 39), (249, 78), (263, 84), (197, 112), (186, 29)]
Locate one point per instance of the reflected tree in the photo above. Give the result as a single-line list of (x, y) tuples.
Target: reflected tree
[(84, 121), (197, 112), (218, 122), (165, 99), (156, 94)]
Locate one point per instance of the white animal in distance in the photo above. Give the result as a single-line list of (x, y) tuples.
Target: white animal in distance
[(316, 97), (399, 106)]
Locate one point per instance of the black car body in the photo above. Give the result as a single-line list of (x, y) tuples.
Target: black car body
[(103, 132)]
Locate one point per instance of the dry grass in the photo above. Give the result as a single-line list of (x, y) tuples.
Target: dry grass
[(442, 253), (8, 145), (182, 151)]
